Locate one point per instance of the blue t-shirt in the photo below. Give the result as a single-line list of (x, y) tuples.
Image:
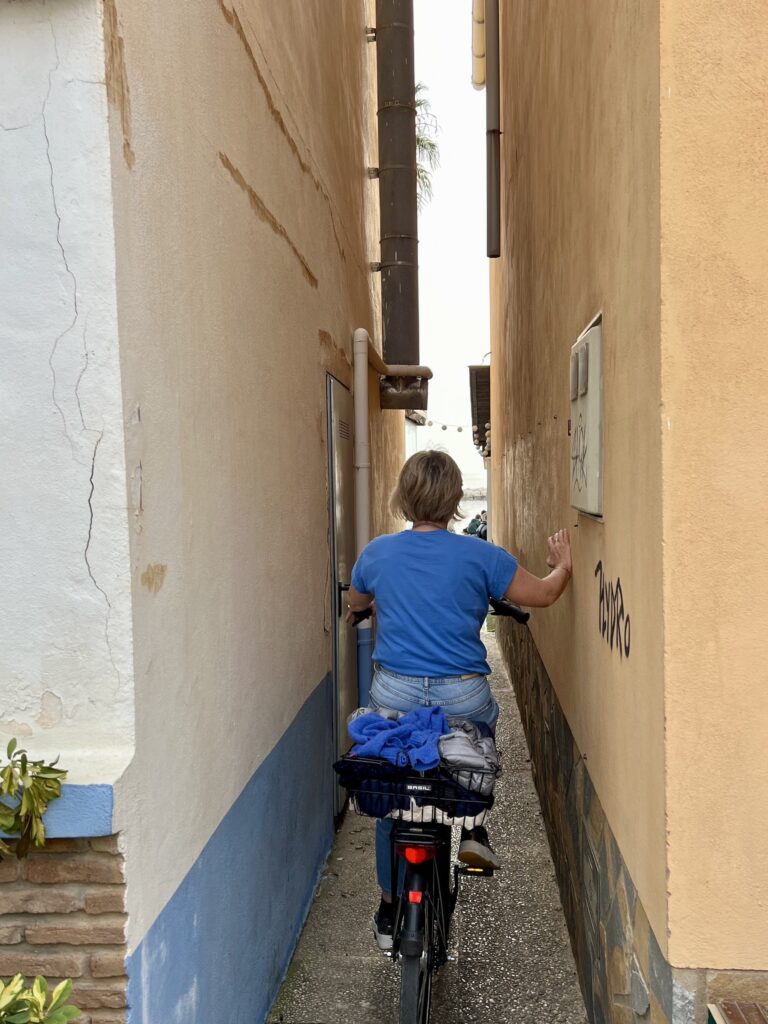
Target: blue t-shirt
[(431, 590)]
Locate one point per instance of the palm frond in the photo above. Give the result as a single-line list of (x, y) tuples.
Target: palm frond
[(427, 147)]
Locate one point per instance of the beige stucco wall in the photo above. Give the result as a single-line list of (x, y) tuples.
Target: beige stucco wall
[(240, 133), (634, 184), (580, 201), (714, 254)]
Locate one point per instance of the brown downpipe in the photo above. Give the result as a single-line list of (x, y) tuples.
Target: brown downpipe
[(493, 127), (397, 181)]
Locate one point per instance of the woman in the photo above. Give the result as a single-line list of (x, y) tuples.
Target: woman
[(431, 589)]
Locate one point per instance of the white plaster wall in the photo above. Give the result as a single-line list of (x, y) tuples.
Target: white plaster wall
[(65, 636)]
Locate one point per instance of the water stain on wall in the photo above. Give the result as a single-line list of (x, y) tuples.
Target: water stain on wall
[(233, 20), (117, 77), (153, 577), (264, 214)]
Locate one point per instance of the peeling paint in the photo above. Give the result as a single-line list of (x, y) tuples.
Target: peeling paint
[(118, 92), (233, 20), (261, 210), (51, 710), (153, 577), (11, 727)]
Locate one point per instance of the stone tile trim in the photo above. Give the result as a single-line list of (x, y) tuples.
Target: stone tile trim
[(738, 1013), (63, 916), (624, 976)]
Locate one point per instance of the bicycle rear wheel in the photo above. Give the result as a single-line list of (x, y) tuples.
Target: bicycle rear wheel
[(416, 977)]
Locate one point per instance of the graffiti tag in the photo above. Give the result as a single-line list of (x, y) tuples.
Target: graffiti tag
[(579, 456), (612, 619)]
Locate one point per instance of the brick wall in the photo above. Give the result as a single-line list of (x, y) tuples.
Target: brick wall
[(62, 915)]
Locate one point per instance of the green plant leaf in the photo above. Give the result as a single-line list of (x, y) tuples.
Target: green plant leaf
[(31, 785), (60, 995), (63, 1016), (12, 744), (10, 992)]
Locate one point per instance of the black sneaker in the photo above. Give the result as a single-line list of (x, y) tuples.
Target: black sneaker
[(475, 849), (384, 926)]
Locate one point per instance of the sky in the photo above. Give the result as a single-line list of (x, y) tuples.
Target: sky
[(453, 267)]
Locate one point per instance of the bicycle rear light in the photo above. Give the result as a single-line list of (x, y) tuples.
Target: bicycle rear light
[(416, 854), (415, 896)]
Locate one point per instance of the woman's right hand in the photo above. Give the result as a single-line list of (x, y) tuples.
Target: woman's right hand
[(530, 591), (559, 556)]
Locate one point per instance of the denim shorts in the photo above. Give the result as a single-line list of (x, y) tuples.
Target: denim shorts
[(462, 698)]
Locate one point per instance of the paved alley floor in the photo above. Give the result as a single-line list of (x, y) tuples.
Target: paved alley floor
[(513, 957)]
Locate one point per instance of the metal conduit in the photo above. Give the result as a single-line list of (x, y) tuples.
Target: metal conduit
[(493, 127)]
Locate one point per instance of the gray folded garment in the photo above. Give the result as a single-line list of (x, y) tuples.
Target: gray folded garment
[(384, 712), (471, 757)]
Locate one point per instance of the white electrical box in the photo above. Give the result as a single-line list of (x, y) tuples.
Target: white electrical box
[(586, 382)]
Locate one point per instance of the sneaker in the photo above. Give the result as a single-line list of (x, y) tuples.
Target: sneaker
[(384, 926), (475, 849)]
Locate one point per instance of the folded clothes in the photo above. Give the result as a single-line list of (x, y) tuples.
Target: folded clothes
[(471, 754), (412, 739)]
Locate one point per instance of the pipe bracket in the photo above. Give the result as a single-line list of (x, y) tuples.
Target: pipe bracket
[(393, 104)]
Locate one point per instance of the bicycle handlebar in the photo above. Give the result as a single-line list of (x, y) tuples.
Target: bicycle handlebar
[(501, 607)]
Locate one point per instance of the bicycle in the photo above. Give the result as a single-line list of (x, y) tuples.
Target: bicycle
[(424, 807)]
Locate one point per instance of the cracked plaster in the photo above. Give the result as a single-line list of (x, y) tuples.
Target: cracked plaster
[(65, 633)]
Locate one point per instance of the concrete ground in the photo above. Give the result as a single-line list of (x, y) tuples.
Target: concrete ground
[(513, 957)]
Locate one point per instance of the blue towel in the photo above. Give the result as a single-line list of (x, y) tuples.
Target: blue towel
[(411, 739)]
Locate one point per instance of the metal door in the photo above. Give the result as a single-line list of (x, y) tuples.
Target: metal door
[(341, 492)]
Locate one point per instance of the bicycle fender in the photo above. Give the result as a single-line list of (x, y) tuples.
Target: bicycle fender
[(412, 934)]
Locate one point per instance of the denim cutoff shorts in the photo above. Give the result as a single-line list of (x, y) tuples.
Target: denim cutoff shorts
[(462, 698)]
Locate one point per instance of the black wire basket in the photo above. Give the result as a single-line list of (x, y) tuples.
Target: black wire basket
[(380, 789)]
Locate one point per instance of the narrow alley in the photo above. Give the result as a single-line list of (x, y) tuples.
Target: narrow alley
[(513, 958)]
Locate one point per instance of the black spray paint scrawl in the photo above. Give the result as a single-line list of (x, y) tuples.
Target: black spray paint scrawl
[(612, 620)]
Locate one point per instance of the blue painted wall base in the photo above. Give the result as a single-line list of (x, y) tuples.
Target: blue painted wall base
[(81, 812), (220, 948)]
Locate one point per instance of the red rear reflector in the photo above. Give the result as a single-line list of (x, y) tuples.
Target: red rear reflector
[(419, 854), (415, 897)]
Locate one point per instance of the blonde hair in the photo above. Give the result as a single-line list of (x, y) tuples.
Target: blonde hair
[(429, 488)]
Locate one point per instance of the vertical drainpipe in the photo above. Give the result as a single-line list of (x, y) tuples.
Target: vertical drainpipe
[(397, 181), (362, 502), (493, 127)]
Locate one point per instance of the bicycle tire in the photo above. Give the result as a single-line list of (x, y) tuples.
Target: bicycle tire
[(416, 987)]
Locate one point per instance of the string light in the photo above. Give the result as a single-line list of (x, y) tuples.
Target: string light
[(458, 427)]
